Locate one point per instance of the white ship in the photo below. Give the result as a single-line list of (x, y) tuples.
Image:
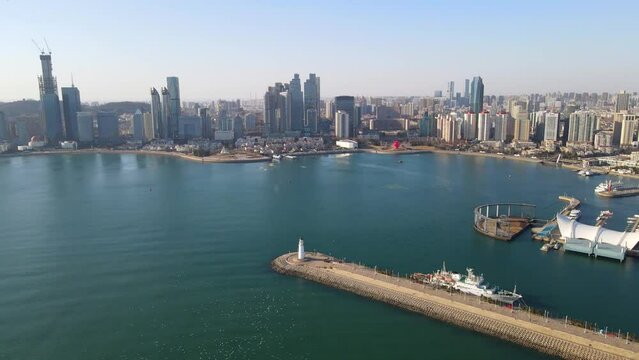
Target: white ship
[(608, 186), (585, 172), (469, 284)]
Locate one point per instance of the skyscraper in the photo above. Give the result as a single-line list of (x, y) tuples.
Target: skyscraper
[(342, 124), (156, 115), (623, 101), (166, 114), (451, 92), (50, 102), (108, 129), (347, 104), (85, 126), (275, 109), (173, 86), (477, 95), (70, 107), (311, 103), (295, 105), (138, 126), (206, 122), (467, 90), (551, 126)]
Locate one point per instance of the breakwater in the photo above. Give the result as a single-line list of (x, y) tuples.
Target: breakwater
[(540, 333)]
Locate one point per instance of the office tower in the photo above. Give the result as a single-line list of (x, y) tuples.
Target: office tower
[(329, 110), (522, 124), (4, 128), (85, 121), (166, 114), (347, 104), (467, 90), (70, 107), (138, 126), (581, 127), (438, 93), (484, 125), (426, 125), (451, 92), (342, 124), (250, 122), (275, 110), (468, 126), (173, 86), (238, 127), (311, 103), (108, 129), (477, 95), (206, 122), (50, 102), (628, 128), (149, 130), (623, 101), (156, 115), (190, 127), (295, 105), (551, 126)]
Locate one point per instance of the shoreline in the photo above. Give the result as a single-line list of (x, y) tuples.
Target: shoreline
[(242, 158)]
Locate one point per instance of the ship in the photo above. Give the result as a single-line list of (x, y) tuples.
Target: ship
[(469, 284), (608, 186), (615, 189), (574, 214), (585, 172)]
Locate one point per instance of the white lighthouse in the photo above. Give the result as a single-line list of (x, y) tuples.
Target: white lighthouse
[(300, 250)]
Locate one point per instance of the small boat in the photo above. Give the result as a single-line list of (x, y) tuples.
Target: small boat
[(277, 157), (574, 214), (545, 247), (585, 172), (557, 245), (289, 156)]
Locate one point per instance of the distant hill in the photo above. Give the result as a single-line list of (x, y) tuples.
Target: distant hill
[(124, 107), (22, 107), (32, 107)]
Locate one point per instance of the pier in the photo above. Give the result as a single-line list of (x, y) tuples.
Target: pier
[(503, 221), (551, 336)]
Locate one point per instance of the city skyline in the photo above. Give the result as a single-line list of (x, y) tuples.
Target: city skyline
[(226, 58)]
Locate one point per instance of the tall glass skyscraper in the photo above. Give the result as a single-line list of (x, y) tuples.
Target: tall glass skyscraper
[(70, 107), (295, 105), (347, 104), (173, 85), (477, 95), (311, 103), (166, 114), (50, 102), (156, 115), (275, 109)]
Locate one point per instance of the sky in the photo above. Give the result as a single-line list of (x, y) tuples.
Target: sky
[(116, 50)]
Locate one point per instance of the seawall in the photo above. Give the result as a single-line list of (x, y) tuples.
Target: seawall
[(532, 331)]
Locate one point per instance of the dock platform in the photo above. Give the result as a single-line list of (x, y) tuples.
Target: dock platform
[(547, 335)]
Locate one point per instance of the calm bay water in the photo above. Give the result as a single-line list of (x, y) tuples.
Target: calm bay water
[(132, 256)]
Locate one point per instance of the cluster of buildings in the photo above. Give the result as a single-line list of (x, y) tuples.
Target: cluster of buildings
[(580, 121)]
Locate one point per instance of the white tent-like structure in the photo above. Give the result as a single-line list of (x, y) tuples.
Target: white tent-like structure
[(595, 240)]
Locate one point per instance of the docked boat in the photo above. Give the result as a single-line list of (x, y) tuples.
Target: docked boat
[(277, 157), (469, 284), (608, 186), (557, 245), (289, 156), (574, 214), (545, 247), (585, 172)]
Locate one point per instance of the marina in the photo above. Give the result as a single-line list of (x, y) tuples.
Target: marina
[(559, 337)]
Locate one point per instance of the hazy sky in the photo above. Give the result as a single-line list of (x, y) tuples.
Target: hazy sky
[(117, 49)]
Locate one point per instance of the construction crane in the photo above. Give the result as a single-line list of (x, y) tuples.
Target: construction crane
[(47, 44), (41, 49)]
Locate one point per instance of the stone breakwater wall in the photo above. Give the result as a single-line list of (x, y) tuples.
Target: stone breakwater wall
[(449, 314)]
